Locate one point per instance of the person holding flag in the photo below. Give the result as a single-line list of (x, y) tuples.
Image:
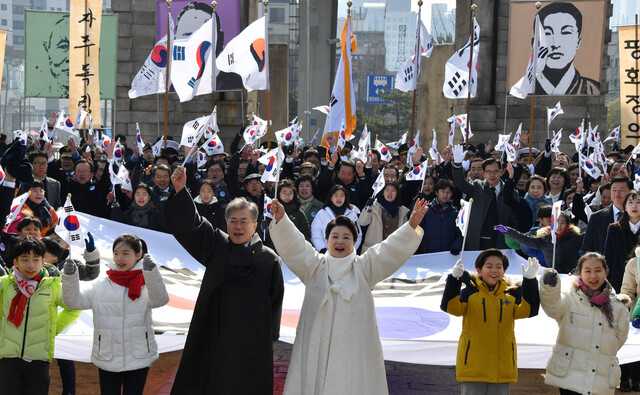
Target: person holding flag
[(337, 204), (439, 223), (383, 215), (348, 174), (560, 243)]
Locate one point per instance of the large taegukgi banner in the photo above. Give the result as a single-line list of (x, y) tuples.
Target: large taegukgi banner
[(412, 327), (47, 55), (189, 15), (575, 36)]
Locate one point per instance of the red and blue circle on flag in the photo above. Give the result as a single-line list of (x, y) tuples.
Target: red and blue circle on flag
[(272, 160), (71, 223), (159, 56), (68, 123), (384, 151), (201, 57)]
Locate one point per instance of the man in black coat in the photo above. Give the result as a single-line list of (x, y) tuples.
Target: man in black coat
[(596, 233), (229, 347)]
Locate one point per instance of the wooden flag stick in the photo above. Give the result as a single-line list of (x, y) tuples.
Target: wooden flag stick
[(533, 93), (167, 74), (473, 39)]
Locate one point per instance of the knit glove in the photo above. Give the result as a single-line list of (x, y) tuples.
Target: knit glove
[(90, 243), (454, 251), (532, 269), (370, 202), (458, 270), (550, 277), (69, 267), (148, 263), (458, 153)]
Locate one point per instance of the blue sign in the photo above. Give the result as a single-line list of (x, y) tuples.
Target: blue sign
[(313, 122), (377, 84)]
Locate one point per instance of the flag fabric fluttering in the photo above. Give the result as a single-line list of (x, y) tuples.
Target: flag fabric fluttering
[(342, 136), (516, 137), (323, 109), (593, 138), (379, 184), (578, 137), (247, 55), (267, 206), (272, 160), (456, 80), (139, 141), (151, 77), (80, 117), (123, 174), (433, 150), (193, 62), (364, 144), (552, 113), (555, 141), (118, 154), (385, 155), (16, 206), (413, 147), (461, 121), (555, 215), (537, 60), (213, 145), (588, 166), (287, 136), (44, 130), (462, 221), (68, 227), (343, 99), (511, 152), (315, 137), (452, 132), (192, 131), (407, 77), (418, 173), (502, 140), (202, 159), (614, 135), (255, 131), (64, 123), (402, 140)]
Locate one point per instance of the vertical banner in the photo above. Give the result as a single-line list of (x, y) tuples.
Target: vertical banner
[(629, 44), (85, 19), (3, 43)]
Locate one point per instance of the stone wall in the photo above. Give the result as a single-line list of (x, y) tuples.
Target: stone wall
[(136, 38)]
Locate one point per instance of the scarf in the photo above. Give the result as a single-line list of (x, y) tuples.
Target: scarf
[(534, 203), (337, 210), (140, 214), (338, 268), (599, 298), (41, 211), (27, 288), (391, 207), (305, 204), (132, 279)]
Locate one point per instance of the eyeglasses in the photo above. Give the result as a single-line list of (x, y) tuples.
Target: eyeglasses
[(39, 163), (214, 171), (490, 172)]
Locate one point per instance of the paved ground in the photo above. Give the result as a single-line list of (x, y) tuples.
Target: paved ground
[(403, 378)]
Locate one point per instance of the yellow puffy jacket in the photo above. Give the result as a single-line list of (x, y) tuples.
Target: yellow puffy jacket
[(487, 347)]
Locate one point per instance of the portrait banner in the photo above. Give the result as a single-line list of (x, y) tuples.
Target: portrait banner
[(629, 44), (3, 44), (47, 55), (574, 33), (85, 19)]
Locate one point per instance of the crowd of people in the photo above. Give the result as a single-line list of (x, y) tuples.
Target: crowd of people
[(324, 215)]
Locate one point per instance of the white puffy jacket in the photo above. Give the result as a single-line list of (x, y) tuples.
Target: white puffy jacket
[(123, 336), (584, 356), (326, 215)]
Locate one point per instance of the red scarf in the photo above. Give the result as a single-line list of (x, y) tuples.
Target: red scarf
[(19, 302), (559, 235), (133, 279)]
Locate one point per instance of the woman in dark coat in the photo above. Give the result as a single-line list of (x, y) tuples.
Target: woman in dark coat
[(142, 212), (622, 238), (439, 223), (209, 206), (229, 347)]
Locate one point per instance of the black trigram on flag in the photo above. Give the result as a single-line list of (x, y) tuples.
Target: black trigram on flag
[(75, 237), (457, 84), (68, 209), (192, 82)]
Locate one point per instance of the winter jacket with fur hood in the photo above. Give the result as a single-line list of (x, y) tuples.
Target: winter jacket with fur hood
[(584, 356)]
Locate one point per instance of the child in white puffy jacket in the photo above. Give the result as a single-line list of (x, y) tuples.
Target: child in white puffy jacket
[(124, 345)]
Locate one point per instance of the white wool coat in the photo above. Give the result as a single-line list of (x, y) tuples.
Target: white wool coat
[(326, 215), (123, 336), (584, 356), (337, 348)]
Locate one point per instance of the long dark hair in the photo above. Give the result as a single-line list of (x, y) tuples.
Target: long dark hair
[(287, 183), (623, 222), (333, 190)]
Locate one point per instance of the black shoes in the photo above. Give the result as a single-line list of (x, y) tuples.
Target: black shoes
[(625, 386)]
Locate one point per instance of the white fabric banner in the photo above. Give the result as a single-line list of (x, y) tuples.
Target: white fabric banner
[(412, 327)]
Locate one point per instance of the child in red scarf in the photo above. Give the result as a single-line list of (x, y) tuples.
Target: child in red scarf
[(30, 295), (124, 345)]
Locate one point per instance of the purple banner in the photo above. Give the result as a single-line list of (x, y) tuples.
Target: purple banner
[(189, 15)]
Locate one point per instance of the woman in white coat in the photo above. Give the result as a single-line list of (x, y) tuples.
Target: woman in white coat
[(124, 345), (593, 326), (337, 204), (337, 348)]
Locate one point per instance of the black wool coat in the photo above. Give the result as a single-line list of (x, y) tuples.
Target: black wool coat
[(229, 347)]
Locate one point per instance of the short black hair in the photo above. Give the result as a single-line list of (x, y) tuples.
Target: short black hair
[(491, 161), (54, 248), (26, 221), (341, 220), (625, 180), (29, 244), (81, 161), (565, 8), (544, 211), (482, 258), (444, 183), (36, 154)]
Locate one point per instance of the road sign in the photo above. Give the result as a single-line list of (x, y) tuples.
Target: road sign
[(377, 84)]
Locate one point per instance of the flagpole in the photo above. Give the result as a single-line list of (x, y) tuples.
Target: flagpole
[(548, 122), (473, 39), (266, 57), (214, 45), (167, 74), (464, 237), (418, 56), (535, 80)]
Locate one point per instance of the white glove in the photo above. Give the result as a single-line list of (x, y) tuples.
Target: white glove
[(532, 270), (458, 153), (458, 269)]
